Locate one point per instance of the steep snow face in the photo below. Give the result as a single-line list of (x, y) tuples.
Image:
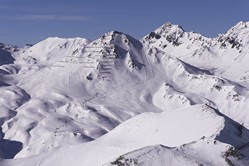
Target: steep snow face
[(60, 95), (182, 84), (234, 50)]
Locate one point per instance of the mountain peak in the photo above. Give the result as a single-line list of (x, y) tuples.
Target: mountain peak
[(116, 38), (241, 25), (237, 36), (169, 28), (238, 28), (168, 31)]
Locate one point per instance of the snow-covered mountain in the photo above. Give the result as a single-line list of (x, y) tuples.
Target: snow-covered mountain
[(171, 98)]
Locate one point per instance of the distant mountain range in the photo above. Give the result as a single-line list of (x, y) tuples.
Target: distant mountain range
[(170, 98)]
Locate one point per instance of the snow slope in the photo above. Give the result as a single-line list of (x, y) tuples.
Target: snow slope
[(120, 100), (194, 153)]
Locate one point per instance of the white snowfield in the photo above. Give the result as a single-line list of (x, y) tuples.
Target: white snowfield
[(171, 98)]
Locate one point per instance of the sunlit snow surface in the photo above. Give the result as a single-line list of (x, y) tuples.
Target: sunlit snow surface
[(171, 98)]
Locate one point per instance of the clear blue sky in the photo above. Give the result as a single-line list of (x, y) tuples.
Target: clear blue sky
[(30, 21)]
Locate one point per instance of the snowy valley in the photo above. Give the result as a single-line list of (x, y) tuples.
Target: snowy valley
[(170, 98)]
